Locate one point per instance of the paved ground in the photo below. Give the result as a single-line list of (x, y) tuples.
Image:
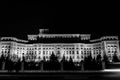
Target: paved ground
[(113, 73), (110, 74), (79, 75)]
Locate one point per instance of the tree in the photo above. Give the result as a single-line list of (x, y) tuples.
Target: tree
[(115, 58), (71, 64), (9, 63), (62, 63), (82, 65), (2, 61), (105, 60), (99, 62), (54, 63), (23, 63), (88, 62), (53, 58)]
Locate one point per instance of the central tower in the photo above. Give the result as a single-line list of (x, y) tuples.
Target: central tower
[(42, 31)]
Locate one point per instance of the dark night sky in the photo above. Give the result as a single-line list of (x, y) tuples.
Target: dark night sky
[(21, 18)]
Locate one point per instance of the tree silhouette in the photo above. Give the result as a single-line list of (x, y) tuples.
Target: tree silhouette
[(88, 62), (54, 63), (106, 60), (115, 58), (9, 63), (99, 62), (94, 63), (2, 61), (71, 64), (53, 58), (62, 63), (23, 63)]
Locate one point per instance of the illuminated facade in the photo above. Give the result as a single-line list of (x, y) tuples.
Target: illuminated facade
[(76, 46)]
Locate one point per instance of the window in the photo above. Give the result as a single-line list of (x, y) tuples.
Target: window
[(43, 52), (81, 52), (77, 48), (77, 52), (72, 52), (81, 56), (46, 57), (67, 57), (67, 52), (73, 57), (108, 51), (39, 57)]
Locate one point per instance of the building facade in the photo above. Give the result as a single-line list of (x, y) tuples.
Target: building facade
[(76, 46)]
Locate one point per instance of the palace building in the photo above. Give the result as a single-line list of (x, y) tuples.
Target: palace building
[(76, 46)]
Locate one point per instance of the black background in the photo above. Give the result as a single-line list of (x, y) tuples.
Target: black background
[(21, 18)]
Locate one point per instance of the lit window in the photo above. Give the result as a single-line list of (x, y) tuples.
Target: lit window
[(46, 57), (66, 57), (43, 52), (72, 52), (77, 57), (81, 52)]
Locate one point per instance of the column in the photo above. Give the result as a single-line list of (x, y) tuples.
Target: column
[(74, 52), (42, 65), (118, 49)]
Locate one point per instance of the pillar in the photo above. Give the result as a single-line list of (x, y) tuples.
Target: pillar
[(42, 65)]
